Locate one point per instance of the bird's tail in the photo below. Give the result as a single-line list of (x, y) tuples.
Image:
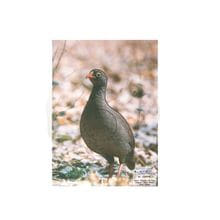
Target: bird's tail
[(130, 161)]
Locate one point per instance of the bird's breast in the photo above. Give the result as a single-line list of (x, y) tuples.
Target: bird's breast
[(98, 126)]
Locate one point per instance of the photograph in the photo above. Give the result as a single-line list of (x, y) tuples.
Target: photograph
[(110, 110), (104, 112)]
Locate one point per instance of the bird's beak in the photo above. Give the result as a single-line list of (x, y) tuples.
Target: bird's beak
[(89, 76)]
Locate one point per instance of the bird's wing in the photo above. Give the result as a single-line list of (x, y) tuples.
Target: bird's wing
[(125, 125)]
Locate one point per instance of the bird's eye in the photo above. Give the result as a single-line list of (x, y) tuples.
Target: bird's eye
[(98, 74)]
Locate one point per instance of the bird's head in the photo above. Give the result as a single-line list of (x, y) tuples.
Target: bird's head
[(97, 77)]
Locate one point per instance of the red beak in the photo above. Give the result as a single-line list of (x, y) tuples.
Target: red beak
[(89, 76)]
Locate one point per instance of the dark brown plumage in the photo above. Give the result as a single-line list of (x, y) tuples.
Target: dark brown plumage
[(104, 130)]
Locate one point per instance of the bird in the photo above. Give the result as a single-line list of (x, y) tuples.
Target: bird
[(103, 129)]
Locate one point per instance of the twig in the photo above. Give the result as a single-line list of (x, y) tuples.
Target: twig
[(54, 55), (60, 57)]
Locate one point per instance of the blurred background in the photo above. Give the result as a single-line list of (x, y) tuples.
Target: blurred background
[(131, 67)]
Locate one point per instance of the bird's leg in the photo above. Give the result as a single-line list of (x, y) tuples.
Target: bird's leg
[(119, 170), (111, 169), (110, 160)]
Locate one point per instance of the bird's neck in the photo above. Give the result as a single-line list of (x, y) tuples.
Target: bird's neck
[(98, 95)]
